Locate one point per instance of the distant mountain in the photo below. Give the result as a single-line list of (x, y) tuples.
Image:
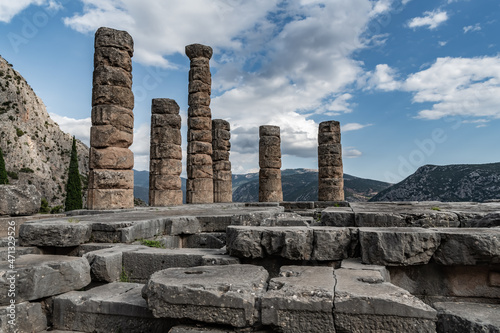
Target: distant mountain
[(460, 182), (298, 185)]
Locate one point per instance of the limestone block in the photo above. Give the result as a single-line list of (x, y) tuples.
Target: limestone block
[(220, 144), (329, 160), (300, 300), (29, 317), (270, 184), (110, 199), (113, 307), (166, 151), (205, 240), (220, 155), (58, 233), (199, 62), (337, 217), (162, 135), (185, 225), (290, 243), (195, 329), (331, 243), (111, 179), (213, 294), (199, 111), (222, 126), (222, 175), (166, 120), (112, 76), (197, 147), (270, 163), (200, 159), (199, 86), (103, 136), (329, 126), (200, 197), (269, 174), (121, 118), (199, 171), (165, 198), (110, 56), (244, 242), (19, 200), (222, 186), (111, 158), (199, 98), (198, 51), (468, 246), (113, 95), (200, 135), (164, 106), (165, 167), (107, 37), (269, 130), (467, 317), (165, 182), (40, 276), (271, 196), (328, 138), (106, 264), (330, 149), (331, 172), (398, 246), (222, 166)]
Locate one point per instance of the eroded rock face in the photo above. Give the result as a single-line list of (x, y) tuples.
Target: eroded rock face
[(19, 200), (112, 122), (331, 174), (270, 189)]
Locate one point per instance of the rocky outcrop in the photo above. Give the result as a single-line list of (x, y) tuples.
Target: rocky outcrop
[(19, 200), (35, 149)]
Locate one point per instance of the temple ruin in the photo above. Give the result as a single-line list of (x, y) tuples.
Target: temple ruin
[(270, 189), (330, 171)]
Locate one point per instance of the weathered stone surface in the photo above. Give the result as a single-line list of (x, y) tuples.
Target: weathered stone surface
[(199, 111), (213, 294), (19, 200), (300, 300), (110, 199), (112, 76), (106, 264), (269, 130), (331, 243), (28, 317), (40, 276), (330, 175), (165, 167), (222, 177), (194, 329), (213, 240), (328, 138), (355, 264), (166, 151), (220, 155), (467, 317), (165, 198), (166, 120), (165, 182), (200, 74), (113, 307), (200, 135), (164, 106), (198, 51), (163, 135), (330, 149), (270, 163), (337, 217), (59, 233), (121, 118), (200, 171), (398, 246), (110, 56), (107, 37), (197, 85), (198, 147), (111, 158), (111, 179), (364, 303), (200, 123), (199, 98), (244, 242), (334, 172), (113, 95), (468, 246)]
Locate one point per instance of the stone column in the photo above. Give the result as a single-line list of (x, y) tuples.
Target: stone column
[(165, 163), (331, 175), (270, 189), (199, 187), (223, 191), (111, 179)]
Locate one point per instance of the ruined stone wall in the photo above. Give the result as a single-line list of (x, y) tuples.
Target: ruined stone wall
[(221, 146), (111, 178), (199, 187), (165, 165), (270, 189), (331, 175)]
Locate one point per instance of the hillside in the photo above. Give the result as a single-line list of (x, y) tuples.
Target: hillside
[(35, 149), (460, 182)]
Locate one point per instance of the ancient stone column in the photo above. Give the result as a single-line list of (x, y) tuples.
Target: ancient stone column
[(331, 175), (270, 189), (223, 191), (111, 179), (199, 187), (165, 164)]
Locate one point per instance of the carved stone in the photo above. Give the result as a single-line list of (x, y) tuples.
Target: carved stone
[(331, 175)]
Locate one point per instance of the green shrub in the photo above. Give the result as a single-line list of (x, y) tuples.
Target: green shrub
[(44, 206), (12, 174), (152, 243), (26, 170), (19, 132), (3, 172), (57, 209)]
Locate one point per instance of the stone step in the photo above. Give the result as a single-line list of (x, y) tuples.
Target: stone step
[(22, 317), (40, 276), (467, 317)]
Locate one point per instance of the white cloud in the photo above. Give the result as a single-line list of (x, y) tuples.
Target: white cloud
[(351, 152), (442, 43), (9, 8), (384, 78), (353, 127), (472, 28), (430, 20), (80, 128), (140, 147)]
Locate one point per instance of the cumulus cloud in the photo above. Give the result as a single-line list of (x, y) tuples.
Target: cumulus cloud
[(351, 152), (140, 147), (383, 78), (430, 20), (80, 128), (9, 9), (472, 28), (353, 127)]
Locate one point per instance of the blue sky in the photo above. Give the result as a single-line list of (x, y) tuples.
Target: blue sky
[(412, 82)]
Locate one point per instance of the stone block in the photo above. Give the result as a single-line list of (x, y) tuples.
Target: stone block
[(18, 200), (165, 167), (199, 159), (166, 135), (271, 196), (58, 233), (198, 51), (199, 98), (40, 276), (328, 138), (113, 307), (110, 199), (111, 158), (398, 246), (200, 135), (219, 144), (165, 182), (269, 130), (29, 317), (330, 126), (338, 217), (162, 198), (290, 243), (330, 160), (199, 171), (331, 243), (166, 120), (199, 111), (110, 56), (222, 166), (106, 264), (222, 175), (365, 303), (112, 76), (334, 149), (166, 151), (331, 193), (111, 179), (222, 125), (199, 62), (199, 86), (121, 118), (113, 95), (107, 37), (331, 172), (220, 155), (212, 240), (244, 242), (198, 147), (226, 295), (199, 197), (182, 225), (300, 300), (195, 329), (467, 317), (164, 106)]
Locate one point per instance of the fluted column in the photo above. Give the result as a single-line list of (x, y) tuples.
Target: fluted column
[(270, 189), (331, 174)]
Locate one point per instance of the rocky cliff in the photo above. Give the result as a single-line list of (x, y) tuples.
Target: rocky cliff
[(35, 149), (460, 182)]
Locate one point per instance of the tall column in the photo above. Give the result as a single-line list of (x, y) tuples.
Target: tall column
[(223, 191), (270, 189), (165, 164), (111, 178), (331, 174), (199, 187)]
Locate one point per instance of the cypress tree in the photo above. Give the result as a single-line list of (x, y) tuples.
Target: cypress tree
[(3, 172), (74, 184)]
